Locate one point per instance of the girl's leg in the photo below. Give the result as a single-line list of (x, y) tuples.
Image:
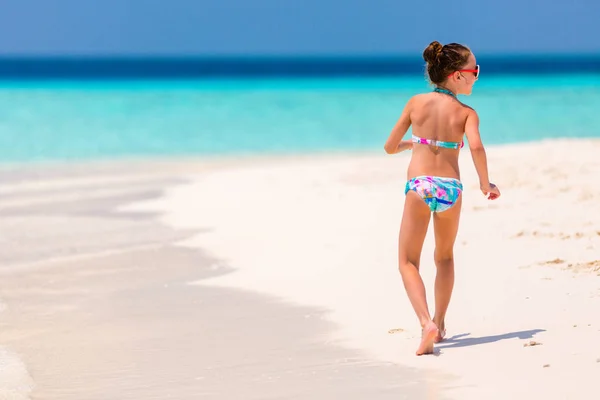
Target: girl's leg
[(413, 229), (445, 226)]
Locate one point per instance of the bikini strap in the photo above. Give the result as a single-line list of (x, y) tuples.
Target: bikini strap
[(446, 91), (438, 143)]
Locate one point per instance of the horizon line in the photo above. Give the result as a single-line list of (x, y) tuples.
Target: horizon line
[(267, 56)]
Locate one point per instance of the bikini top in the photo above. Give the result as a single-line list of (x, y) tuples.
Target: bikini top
[(438, 143)]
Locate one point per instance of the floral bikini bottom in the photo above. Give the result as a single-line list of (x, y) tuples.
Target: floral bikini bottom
[(438, 192)]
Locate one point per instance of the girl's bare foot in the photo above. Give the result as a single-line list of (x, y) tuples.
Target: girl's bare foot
[(441, 331), (428, 335), (440, 336)]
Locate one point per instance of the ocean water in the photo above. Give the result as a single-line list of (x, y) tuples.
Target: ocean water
[(64, 115)]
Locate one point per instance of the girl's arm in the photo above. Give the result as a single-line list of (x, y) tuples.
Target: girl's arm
[(394, 143)]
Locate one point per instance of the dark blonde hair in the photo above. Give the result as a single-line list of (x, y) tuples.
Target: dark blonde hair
[(444, 60)]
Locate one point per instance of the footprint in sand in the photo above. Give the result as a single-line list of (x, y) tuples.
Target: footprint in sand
[(552, 235), (395, 330), (555, 261), (531, 343)]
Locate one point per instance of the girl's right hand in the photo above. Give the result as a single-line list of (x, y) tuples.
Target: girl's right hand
[(491, 191)]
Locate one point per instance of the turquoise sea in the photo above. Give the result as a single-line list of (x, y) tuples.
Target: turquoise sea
[(79, 119)]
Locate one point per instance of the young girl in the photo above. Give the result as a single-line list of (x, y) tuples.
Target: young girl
[(439, 121)]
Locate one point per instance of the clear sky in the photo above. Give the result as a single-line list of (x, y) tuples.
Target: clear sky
[(184, 27)]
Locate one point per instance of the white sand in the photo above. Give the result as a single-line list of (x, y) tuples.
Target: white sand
[(96, 305), (323, 232)]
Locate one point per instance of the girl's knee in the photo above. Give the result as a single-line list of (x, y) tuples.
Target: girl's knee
[(443, 257), (405, 263)]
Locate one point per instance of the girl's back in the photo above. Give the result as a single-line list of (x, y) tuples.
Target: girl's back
[(436, 117)]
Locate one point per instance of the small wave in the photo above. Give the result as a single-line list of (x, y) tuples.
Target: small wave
[(15, 381)]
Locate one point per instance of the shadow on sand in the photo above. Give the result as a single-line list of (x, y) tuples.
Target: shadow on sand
[(462, 341)]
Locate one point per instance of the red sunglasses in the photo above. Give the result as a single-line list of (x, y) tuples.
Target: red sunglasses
[(474, 71)]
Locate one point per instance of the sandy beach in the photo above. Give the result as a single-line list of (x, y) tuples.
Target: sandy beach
[(98, 303), (178, 279), (525, 316)]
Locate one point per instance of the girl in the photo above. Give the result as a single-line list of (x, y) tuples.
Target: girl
[(439, 122)]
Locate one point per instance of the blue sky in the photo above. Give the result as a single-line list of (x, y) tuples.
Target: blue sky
[(184, 27)]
